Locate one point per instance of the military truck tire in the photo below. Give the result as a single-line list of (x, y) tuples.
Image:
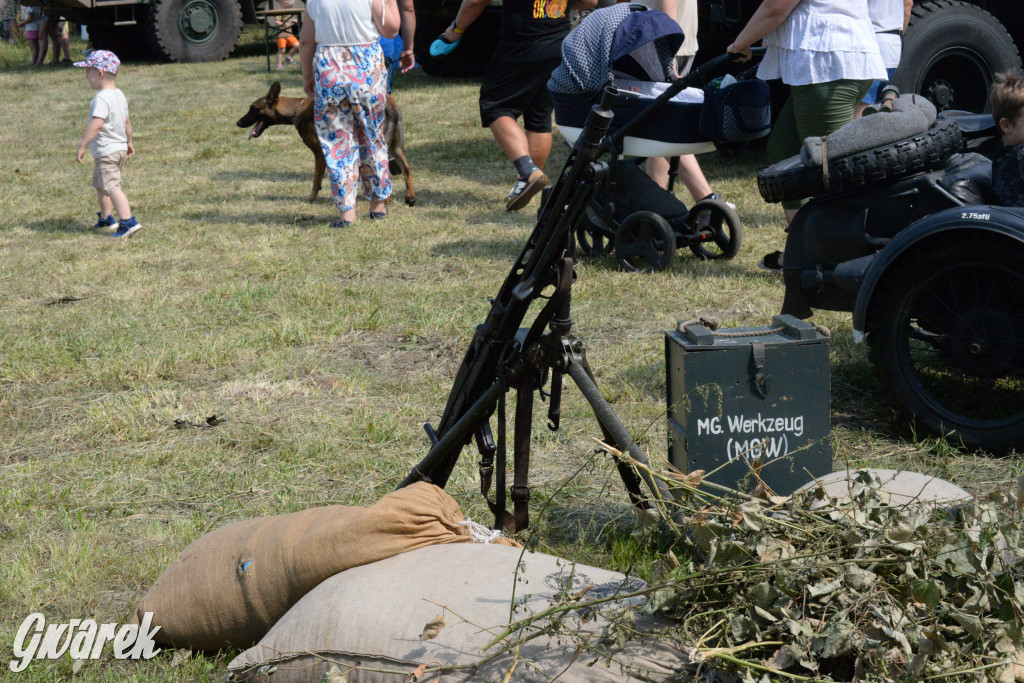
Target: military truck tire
[(790, 179), (950, 53), (127, 42), (475, 50), (194, 30)]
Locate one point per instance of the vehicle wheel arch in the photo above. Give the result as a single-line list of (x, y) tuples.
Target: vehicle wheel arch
[(929, 233)]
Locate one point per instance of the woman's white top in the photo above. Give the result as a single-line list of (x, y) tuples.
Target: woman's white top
[(343, 22), (887, 15), (686, 17), (822, 41)]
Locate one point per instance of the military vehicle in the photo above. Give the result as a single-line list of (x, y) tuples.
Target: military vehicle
[(175, 30)]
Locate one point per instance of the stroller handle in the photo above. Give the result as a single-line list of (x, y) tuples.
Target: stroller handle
[(719, 65)]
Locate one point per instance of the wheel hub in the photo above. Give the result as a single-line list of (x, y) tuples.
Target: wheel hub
[(984, 343), (941, 93), (198, 21)]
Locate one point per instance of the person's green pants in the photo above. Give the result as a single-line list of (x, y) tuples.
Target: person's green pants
[(812, 111)]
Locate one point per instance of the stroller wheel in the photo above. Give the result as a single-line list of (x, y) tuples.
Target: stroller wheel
[(717, 233), (645, 241)]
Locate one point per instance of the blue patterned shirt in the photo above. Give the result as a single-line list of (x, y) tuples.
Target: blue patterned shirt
[(1008, 176)]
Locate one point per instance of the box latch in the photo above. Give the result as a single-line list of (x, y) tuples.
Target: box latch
[(759, 382)]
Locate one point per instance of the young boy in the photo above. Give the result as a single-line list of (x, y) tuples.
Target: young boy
[(109, 135), (287, 41), (1007, 101)]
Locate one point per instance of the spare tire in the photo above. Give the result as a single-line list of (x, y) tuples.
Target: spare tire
[(790, 179)]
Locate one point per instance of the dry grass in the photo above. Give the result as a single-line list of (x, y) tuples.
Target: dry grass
[(323, 350)]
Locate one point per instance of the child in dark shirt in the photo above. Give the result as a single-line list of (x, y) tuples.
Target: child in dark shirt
[(1007, 101)]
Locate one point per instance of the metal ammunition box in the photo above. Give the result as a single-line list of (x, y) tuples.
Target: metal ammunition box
[(750, 404)]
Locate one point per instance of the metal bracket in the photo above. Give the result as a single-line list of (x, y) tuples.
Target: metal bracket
[(759, 382)]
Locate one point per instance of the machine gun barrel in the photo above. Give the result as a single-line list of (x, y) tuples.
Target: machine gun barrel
[(477, 384)]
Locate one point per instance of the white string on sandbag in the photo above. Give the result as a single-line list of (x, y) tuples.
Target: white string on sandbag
[(480, 533)]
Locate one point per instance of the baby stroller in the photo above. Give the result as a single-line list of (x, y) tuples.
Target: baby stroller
[(633, 49)]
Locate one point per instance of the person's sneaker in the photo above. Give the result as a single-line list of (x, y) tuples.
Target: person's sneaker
[(104, 223), (289, 60), (524, 189), (126, 228), (280, 67)]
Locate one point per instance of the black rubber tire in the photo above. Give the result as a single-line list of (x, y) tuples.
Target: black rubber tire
[(790, 179), (127, 42), (645, 242), (475, 50), (950, 53), (194, 30), (947, 341), (726, 230)]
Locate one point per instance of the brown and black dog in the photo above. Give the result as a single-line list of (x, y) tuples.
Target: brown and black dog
[(272, 110)]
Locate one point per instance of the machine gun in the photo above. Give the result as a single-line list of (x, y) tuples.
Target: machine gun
[(504, 356)]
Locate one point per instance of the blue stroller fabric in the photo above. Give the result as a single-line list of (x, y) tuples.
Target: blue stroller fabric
[(623, 44), (627, 38)]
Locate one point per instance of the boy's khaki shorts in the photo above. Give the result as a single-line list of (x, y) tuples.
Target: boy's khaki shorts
[(106, 172)]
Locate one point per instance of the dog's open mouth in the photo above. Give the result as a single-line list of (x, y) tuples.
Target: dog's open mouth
[(257, 129)]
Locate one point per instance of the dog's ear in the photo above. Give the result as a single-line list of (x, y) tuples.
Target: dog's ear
[(275, 91)]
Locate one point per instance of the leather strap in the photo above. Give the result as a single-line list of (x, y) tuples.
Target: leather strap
[(824, 162), (520, 492)]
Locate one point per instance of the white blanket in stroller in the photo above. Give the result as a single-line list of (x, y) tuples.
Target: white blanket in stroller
[(652, 89)]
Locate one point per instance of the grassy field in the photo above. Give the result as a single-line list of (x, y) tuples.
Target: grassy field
[(321, 350)]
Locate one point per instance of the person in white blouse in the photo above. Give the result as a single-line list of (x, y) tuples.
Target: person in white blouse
[(889, 19), (826, 51), (343, 71)]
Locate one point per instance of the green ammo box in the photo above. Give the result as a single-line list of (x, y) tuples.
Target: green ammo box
[(750, 403)]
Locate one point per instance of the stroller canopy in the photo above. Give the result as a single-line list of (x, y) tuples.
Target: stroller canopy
[(628, 39)]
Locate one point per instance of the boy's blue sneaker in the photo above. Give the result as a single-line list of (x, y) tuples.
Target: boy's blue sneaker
[(126, 228), (104, 223)]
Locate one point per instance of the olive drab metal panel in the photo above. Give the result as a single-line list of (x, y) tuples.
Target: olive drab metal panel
[(750, 404)]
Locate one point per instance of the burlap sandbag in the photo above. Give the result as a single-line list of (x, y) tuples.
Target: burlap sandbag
[(229, 587), (369, 623)]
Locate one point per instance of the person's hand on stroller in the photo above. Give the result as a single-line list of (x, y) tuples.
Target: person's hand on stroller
[(742, 52), (446, 42)]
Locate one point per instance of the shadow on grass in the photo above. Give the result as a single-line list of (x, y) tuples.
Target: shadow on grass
[(65, 224), (493, 249), (304, 220), (267, 176)]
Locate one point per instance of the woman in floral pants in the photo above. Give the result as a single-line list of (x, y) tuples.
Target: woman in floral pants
[(343, 71)]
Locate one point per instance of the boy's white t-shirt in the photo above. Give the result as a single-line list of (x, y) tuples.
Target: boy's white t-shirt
[(112, 106)]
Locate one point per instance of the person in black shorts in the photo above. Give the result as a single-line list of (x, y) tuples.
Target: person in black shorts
[(515, 84)]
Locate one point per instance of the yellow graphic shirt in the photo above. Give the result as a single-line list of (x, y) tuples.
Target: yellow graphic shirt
[(549, 9)]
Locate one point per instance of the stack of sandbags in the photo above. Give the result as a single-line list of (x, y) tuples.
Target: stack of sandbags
[(380, 623), (230, 586)]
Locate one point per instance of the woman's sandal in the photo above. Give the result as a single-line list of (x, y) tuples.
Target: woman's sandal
[(378, 215), (340, 224), (771, 261)]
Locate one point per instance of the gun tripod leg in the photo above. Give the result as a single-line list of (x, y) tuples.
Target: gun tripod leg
[(614, 428)]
